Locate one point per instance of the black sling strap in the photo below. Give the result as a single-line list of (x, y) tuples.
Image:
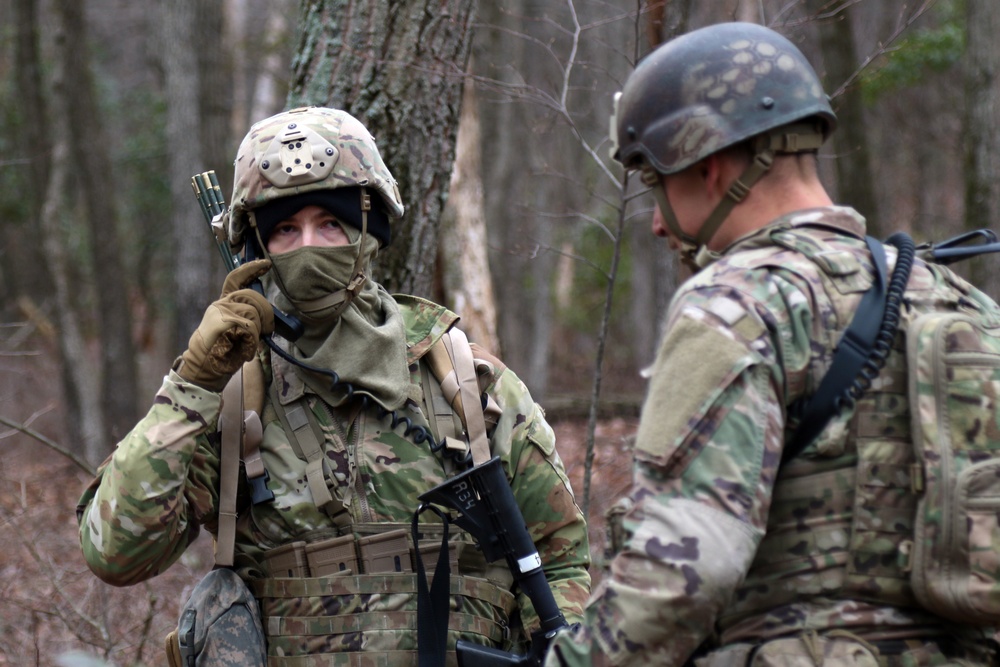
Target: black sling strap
[(862, 349)]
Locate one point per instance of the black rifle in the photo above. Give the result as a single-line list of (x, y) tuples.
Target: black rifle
[(213, 206), (963, 246), (487, 511)]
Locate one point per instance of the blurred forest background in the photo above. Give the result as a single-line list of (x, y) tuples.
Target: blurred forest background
[(493, 116)]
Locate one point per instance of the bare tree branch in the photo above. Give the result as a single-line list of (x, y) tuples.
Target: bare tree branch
[(80, 463), (883, 47)]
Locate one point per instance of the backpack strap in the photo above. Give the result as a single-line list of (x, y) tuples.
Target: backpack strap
[(451, 361), (231, 429), (241, 434), (862, 349)]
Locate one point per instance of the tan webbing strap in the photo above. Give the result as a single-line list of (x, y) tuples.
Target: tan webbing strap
[(467, 397), (302, 431), (253, 407), (441, 416), (305, 438), (231, 428)]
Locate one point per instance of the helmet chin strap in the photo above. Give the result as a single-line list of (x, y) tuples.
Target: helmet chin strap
[(797, 138), (342, 297)]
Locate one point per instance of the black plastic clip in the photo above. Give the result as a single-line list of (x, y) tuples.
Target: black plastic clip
[(258, 489)]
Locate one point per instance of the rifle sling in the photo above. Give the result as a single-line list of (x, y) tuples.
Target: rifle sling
[(856, 347)]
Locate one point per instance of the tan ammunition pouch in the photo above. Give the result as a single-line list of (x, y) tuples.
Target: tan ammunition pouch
[(344, 595)]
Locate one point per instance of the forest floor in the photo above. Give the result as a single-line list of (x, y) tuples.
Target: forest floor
[(52, 606)]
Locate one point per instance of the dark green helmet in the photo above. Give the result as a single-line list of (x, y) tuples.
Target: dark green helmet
[(713, 88)]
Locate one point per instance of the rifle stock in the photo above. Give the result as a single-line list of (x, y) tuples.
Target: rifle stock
[(487, 511)]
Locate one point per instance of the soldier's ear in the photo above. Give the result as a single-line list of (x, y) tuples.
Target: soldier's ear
[(720, 171)]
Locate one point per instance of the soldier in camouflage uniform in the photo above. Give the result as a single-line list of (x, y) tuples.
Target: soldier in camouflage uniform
[(730, 560), (313, 197)]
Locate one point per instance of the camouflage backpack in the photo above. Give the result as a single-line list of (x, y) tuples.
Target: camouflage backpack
[(954, 390), (953, 386)]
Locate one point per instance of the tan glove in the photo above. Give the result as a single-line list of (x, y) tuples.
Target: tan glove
[(230, 331)]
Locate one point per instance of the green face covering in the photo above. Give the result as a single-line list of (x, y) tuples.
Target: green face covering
[(364, 342)]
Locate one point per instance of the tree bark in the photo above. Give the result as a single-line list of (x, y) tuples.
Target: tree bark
[(465, 270), (22, 248), (81, 386), (982, 161), (520, 201), (398, 67), (194, 248), (89, 155)]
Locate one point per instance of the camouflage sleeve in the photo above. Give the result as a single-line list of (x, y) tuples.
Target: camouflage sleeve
[(526, 442), (149, 498), (707, 449)]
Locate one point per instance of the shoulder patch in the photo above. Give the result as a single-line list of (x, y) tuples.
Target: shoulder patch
[(695, 364)]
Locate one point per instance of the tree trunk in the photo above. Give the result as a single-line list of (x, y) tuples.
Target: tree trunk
[(855, 181), (194, 247), (465, 270), (256, 29), (81, 387), (22, 249), (89, 155), (526, 188), (982, 162), (215, 107), (398, 67)]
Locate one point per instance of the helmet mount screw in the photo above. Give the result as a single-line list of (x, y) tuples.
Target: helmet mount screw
[(266, 164), (767, 102)]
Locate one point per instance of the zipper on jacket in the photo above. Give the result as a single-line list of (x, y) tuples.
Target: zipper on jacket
[(352, 458)]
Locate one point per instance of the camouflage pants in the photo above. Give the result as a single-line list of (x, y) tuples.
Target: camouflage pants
[(220, 625), (812, 650)]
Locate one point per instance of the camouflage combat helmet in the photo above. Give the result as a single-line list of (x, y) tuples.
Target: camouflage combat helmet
[(713, 88), (305, 150)]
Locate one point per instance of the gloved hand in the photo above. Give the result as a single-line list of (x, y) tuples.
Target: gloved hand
[(230, 331)]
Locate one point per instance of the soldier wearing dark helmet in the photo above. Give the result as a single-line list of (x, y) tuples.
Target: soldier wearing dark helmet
[(732, 557), (318, 539)]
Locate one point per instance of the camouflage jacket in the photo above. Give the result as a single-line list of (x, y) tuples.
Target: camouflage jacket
[(160, 486), (715, 551)]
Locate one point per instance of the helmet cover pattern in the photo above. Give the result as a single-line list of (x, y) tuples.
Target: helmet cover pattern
[(306, 150), (710, 89)]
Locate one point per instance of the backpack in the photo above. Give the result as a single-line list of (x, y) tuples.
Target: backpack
[(954, 396), (953, 370)]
